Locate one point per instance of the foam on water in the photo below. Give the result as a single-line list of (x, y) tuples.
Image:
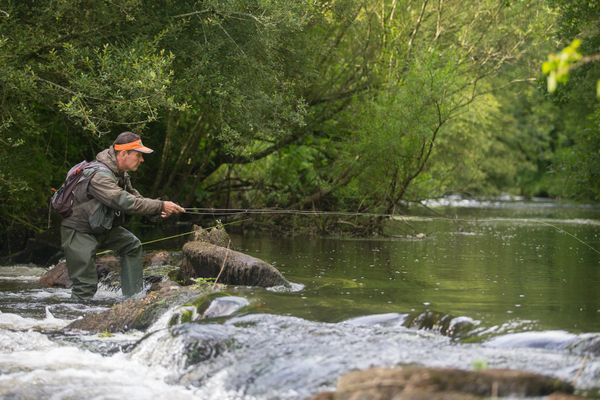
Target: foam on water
[(543, 340), (294, 287), (11, 341), (269, 356), (69, 372), (16, 322), (21, 273), (39, 294), (505, 201), (257, 356)]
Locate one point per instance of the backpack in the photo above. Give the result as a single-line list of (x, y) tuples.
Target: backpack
[(62, 199)]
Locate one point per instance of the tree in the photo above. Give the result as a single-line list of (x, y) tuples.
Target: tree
[(576, 164), (440, 87)]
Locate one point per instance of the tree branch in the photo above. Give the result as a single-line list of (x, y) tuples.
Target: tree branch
[(341, 180)]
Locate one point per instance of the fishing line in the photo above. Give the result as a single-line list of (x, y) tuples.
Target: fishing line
[(573, 236), (271, 211), (532, 220), (176, 236), (267, 211)]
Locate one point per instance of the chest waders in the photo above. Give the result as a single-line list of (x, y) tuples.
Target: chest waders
[(80, 250)]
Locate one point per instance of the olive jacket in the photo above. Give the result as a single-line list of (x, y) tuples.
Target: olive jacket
[(104, 193)]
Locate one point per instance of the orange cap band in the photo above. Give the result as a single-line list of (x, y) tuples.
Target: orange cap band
[(137, 144)]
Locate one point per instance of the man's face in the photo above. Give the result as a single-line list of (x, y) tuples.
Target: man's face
[(129, 160)]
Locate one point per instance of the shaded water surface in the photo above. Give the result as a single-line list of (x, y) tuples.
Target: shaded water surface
[(502, 284)]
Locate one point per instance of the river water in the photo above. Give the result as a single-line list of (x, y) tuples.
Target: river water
[(467, 284)]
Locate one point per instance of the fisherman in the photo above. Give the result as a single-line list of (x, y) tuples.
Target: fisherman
[(100, 201)]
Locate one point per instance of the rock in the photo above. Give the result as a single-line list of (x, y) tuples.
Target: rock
[(429, 320), (206, 305), (563, 396), (224, 306), (187, 304), (439, 322), (324, 396), (204, 260), (157, 258), (412, 382), (586, 344), (58, 276), (136, 313)]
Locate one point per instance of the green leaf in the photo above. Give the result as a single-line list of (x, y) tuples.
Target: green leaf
[(552, 82)]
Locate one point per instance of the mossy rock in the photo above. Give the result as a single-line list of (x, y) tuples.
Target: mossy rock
[(138, 313), (413, 382), (205, 260)]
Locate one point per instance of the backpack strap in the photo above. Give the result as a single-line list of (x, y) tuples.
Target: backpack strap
[(95, 166), (98, 165)]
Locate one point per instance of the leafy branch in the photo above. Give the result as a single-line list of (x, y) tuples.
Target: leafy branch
[(559, 66)]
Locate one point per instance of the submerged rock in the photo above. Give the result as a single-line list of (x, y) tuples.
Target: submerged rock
[(377, 319), (157, 258), (205, 260), (413, 382), (224, 306), (448, 325), (206, 306)]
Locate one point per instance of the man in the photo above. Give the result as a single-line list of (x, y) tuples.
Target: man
[(101, 198)]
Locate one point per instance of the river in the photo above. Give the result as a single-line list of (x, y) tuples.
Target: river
[(465, 284)]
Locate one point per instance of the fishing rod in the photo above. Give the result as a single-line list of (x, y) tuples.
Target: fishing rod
[(266, 211)]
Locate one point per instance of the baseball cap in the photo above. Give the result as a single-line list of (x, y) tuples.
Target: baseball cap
[(130, 141)]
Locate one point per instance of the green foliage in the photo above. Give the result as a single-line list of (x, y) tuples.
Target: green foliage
[(439, 106), (558, 65), (111, 86), (479, 365), (574, 169), (105, 334), (202, 283)]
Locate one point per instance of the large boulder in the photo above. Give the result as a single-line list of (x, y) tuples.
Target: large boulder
[(205, 260), (412, 382), (58, 276)]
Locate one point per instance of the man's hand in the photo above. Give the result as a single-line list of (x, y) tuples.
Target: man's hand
[(170, 208)]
